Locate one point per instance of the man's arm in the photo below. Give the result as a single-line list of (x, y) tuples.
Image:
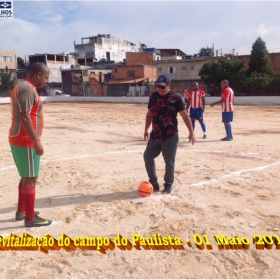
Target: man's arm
[(217, 102), (188, 104), (28, 127), (188, 123), (147, 125), (203, 103)]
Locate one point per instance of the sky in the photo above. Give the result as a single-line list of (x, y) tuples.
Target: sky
[(53, 26)]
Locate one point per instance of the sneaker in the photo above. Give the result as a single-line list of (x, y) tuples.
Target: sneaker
[(167, 189), (21, 215), (37, 222), (155, 187), (204, 136), (226, 139)]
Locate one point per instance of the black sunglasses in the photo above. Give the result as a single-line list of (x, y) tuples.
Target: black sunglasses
[(162, 87)]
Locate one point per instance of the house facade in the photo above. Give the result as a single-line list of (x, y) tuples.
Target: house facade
[(55, 63), (101, 48), (135, 77), (8, 59), (183, 72), (85, 81)]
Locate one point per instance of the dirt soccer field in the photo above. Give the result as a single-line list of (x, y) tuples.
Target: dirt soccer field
[(90, 172)]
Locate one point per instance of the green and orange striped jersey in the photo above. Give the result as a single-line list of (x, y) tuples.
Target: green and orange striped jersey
[(25, 99)]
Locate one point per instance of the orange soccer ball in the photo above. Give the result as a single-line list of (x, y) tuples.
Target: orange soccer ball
[(145, 189)]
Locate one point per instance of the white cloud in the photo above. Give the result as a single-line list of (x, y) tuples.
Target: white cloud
[(264, 30), (56, 19)]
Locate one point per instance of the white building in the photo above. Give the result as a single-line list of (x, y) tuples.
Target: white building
[(102, 48)]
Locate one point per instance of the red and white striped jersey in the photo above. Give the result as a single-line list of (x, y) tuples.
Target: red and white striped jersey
[(186, 95), (196, 98), (228, 96)]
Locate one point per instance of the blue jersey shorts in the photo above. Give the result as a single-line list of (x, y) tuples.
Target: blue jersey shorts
[(227, 117), (196, 113)]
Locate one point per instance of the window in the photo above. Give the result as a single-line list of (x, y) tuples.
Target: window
[(159, 69), (130, 73), (171, 70), (116, 70), (184, 68), (192, 67), (5, 58)]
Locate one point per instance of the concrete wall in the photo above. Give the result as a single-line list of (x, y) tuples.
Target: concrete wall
[(252, 100)]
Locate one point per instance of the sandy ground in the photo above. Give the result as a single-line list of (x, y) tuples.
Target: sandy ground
[(90, 172)]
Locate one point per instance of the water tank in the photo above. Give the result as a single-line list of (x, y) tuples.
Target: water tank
[(108, 76)]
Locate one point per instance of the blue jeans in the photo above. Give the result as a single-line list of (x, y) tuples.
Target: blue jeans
[(168, 148)]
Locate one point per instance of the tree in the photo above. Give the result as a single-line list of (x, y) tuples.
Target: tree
[(274, 86), (259, 81), (259, 59), (227, 67), (6, 81), (205, 51), (20, 63)]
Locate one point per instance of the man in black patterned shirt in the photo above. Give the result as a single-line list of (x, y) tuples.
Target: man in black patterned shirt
[(162, 114)]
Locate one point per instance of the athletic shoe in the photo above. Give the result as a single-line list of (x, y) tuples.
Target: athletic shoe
[(156, 187), (167, 189), (204, 136), (37, 222), (226, 139), (21, 215)]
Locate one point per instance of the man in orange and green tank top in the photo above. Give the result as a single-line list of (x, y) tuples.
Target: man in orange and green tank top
[(24, 138)]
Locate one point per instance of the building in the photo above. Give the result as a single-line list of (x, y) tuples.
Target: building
[(101, 48), (85, 81), (55, 63), (171, 54), (183, 72), (8, 59), (135, 77)]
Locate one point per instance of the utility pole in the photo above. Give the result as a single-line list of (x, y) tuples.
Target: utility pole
[(135, 80)]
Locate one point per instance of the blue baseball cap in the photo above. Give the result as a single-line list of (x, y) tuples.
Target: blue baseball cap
[(163, 80)]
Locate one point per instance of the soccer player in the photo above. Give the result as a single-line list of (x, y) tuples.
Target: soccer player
[(186, 96), (227, 101), (24, 138), (197, 103), (163, 107)]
